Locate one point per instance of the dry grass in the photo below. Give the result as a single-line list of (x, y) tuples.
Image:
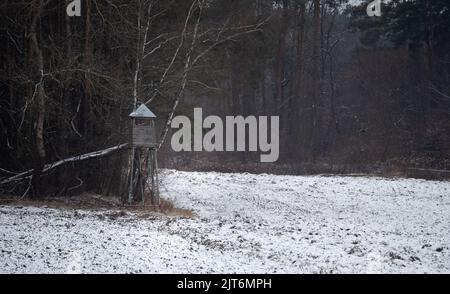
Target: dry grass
[(88, 201)]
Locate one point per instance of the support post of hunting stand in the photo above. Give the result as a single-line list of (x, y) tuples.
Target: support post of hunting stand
[(143, 156), (130, 190)]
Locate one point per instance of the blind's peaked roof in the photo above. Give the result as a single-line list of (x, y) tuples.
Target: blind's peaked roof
[(142, 112)]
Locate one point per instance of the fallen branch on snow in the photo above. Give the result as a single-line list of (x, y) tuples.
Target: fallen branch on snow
[(28, 174)]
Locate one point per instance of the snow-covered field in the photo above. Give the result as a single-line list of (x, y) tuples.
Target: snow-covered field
[(246, 224)]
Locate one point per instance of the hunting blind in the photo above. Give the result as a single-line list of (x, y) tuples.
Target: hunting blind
[(143, 159), (143, 130)]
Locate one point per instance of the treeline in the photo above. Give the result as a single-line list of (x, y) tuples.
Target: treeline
[(349, 89), (69, 83), (354, 93)]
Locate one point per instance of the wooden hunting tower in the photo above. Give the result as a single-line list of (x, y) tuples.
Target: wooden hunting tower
[(143, 131), (143, 157)]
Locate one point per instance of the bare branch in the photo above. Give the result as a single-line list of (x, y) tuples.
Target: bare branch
[(28, 174)]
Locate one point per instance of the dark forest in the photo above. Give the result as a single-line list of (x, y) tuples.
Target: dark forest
[(353, 93)]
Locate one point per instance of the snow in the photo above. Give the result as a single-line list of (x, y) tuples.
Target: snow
[(245, 223)]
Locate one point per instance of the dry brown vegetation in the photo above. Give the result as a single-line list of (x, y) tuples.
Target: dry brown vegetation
[(89, 201)]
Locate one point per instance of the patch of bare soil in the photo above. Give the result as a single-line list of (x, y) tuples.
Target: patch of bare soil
[(89, 201)]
